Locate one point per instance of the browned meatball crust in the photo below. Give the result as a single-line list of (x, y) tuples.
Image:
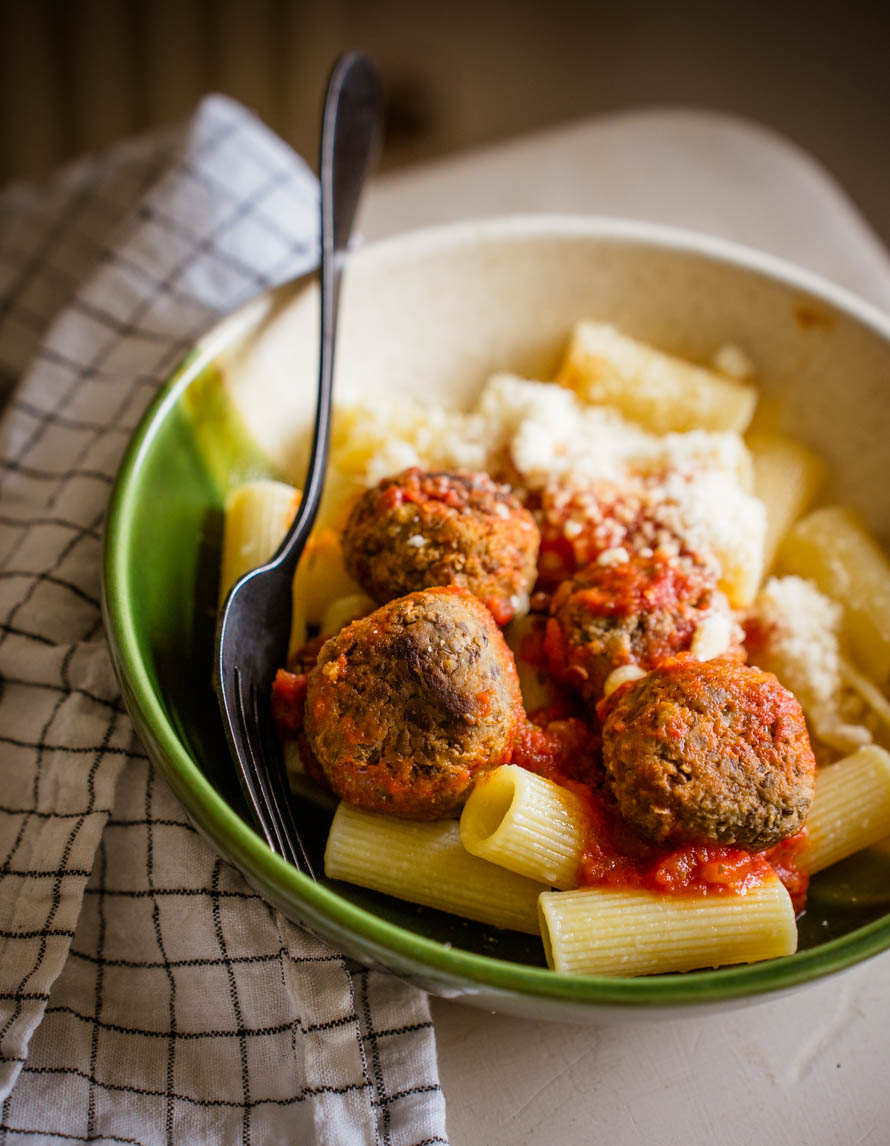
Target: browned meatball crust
[(709, 752), (640, 611), (417, 530), (408, 706)]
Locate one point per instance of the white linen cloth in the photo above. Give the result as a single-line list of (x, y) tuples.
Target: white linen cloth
[(147, 994)]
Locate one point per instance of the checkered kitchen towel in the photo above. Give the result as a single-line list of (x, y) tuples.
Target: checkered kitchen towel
[(147, 995)]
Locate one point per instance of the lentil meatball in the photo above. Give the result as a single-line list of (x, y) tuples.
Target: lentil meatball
[(638, 610), (417, 530), (408, 706), (714, 752)]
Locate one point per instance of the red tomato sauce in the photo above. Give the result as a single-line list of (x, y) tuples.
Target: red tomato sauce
[(288, 710), (531, 647), (560, 748), (577, 525), (640, 585), (426, 490), (566, 750), (289, 701), (502, 611), (557, 560)]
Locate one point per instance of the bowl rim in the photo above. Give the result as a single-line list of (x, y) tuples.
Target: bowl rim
[(324, 908)]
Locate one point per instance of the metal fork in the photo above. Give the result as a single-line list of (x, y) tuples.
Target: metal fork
[(254, 627)]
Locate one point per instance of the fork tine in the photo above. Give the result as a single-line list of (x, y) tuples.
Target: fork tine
[(252, 774), (274, 771), (259, 763), (262, 771)]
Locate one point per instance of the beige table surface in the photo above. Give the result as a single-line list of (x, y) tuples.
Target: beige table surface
[(808, 1069)]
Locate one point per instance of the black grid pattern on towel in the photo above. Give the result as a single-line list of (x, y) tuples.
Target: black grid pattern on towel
[(147, 994)]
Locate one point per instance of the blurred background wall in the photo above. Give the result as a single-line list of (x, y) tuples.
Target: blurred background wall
[(76, 74)]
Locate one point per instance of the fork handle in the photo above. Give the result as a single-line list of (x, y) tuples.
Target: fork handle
[(349, 140)]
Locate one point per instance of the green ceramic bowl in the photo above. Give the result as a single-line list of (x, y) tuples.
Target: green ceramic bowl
[(432, 313)]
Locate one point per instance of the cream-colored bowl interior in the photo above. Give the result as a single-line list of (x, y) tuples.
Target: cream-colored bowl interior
[(431, 313)]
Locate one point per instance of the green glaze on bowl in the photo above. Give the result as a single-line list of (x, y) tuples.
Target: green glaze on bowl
[(200, 438)]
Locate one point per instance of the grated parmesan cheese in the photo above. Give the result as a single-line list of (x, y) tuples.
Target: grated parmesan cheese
[(622, 675), (720, 517), (548, 435), (712, 637), (540, 436), (732, 361), (615, 556), (798, 639)]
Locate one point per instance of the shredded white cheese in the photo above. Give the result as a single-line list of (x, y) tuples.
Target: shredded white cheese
[(616, 556), (798, 639), (732, 361), (712, 637), (541, 435), (622, 675)]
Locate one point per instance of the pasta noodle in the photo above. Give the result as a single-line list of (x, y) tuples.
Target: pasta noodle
[(425, 863), (345, 609), (300, 783), (257, 516), (527, 824), (787, 477), (830, 547), (320, 580), (660, 391), (532, 682), (609, 931), (851, 808), (867, 691)]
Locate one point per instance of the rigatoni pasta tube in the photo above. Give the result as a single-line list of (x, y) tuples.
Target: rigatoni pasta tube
[(867, 690), (425, 863), (257, 516), (617, 931), (851, 808), (527, 824), (320, 580), (301, 784), (345, 609), (832, 548), (786, 478), (662, 392), (532, 681)]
